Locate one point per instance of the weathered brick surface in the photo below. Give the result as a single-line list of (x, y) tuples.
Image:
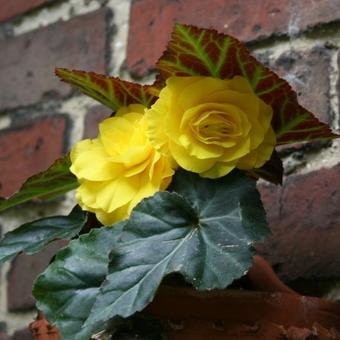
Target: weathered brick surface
[(151, 22), (28, 150), (304, 217), (93, 117), (11, 8), (27, 62), (24, 269), (308, 74), (22, 334), (3, 331)]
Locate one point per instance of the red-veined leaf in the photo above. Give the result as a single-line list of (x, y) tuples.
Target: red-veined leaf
[(194, 51), (112, 92), (53, 182)]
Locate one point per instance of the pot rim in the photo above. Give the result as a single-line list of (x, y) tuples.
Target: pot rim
[(231, 305)]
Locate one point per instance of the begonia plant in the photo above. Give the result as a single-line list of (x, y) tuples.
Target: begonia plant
[(171, 177)]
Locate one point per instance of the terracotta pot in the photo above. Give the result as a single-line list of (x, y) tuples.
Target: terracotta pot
[(275, 313), (41, 329), (235, 314)]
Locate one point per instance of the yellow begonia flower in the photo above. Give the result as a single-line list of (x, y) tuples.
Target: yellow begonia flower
[(210, 126), (120, 167)]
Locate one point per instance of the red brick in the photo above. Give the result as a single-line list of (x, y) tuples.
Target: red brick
[(28, 150), (151, 22), (308, 74), (93, 117), (27, 62), (24, 269), (22, 334), (304, 217), (3, 331), (12, 8)]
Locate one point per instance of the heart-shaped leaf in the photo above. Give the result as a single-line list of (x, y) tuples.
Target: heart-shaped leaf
[(55, 181), (67, 289), (112, 92), (34, 236), (204, 230), (195, 51)]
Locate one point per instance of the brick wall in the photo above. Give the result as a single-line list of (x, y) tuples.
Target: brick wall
[(40, 118)]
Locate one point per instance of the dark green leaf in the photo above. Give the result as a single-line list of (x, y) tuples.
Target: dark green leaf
[(55, 181), (34, 236), (65, 292), (112, 92), (195, 51), (204, 230)]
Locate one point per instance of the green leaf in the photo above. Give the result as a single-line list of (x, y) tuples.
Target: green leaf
[(204, 230), (55, 181), (112, 92), (34, 236), (195, 51), (67, 289)]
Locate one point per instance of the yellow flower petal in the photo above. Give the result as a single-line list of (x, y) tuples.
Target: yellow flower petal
[(156, 123), (136, 108), (192, 92), (259, 156), (112, 133), (241, 85), (219, 170), (187, 161), (120, 167), (115, 194), (210, 125), (119, 214), (198, 149), (88, 152)]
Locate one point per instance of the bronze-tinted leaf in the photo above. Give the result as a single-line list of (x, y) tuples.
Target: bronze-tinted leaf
[(110, 91), (55, 181), (194, 51)]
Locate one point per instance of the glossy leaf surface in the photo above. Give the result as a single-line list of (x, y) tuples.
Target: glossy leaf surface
[(112, 92), (34, 236), (204, 230), (194, 51), (67, 289), (55, 181)]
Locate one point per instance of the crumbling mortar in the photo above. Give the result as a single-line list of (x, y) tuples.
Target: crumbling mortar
[(47, 15), (316, 32), (322, 157), (334, 89), (110, 32), (77, 105), (119, 34)]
